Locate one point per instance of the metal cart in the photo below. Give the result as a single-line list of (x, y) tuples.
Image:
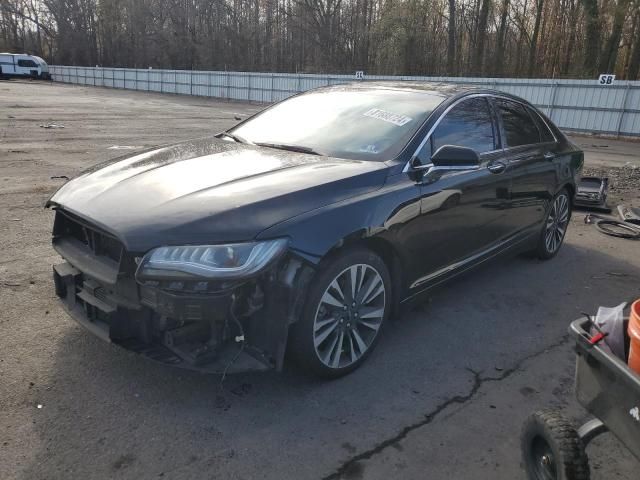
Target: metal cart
[(609, 390)]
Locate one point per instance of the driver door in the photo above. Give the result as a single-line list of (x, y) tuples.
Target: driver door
[(462, 212)]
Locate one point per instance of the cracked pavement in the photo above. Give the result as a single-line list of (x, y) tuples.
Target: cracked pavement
[(443, 396), (356, 463)]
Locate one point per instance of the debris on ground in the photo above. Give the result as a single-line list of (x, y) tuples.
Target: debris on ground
[(629, 214), (51, 125), (592, 193), (623, 179), (612, 227), (63, 177)]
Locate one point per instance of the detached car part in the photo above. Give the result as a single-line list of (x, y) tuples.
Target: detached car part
[(612, 227), (629, 214), (592, 193)]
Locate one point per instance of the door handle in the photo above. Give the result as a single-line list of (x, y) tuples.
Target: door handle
[(496, 167), (548, 156)]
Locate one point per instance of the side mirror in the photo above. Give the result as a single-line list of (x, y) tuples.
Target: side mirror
[(451, 156)]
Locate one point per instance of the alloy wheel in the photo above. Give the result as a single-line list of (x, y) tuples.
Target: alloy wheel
[(557, 221), (349, 315)]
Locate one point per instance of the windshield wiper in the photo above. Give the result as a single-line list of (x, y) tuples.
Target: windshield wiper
[(291, 148), (233, 136)]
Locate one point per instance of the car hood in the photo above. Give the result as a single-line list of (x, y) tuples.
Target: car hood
[(209, 191)]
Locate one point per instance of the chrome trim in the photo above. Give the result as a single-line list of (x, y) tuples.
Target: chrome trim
[(422, 167), (455, 266), (498, 167), (457, 168), (408, 166), (488, 253), (546, 124), (430, 167)]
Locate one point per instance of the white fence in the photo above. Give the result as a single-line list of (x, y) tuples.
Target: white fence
[(574, 105)]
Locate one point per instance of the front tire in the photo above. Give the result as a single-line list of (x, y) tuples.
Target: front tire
[(346, 308), (555, 226)]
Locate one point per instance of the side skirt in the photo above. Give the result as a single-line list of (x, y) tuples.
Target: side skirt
[(522, 243)]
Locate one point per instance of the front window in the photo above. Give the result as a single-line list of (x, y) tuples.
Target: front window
[(364, 124), (468, 124), (27, 63), (518, 125)]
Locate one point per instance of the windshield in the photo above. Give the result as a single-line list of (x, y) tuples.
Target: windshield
[(362, 124)]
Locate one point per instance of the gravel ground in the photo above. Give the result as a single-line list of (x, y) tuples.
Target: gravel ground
[(623, 181), (444, 395)]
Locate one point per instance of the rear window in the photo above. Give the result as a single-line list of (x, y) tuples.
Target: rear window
[(519, 127)]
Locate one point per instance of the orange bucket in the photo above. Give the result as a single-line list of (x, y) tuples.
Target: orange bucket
[(634, 334)]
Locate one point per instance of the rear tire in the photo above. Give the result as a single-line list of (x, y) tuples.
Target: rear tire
[(555, 226), (337, 330), (552, 449)]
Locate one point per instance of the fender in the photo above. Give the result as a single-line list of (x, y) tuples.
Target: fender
[(373, 215)]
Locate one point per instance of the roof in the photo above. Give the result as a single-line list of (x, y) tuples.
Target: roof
[(433, 88), (440, 89)]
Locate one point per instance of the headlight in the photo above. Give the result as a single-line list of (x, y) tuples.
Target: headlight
[(222, 262)]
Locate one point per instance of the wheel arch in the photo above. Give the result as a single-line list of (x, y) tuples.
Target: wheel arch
[(571, 188), (386, 251)]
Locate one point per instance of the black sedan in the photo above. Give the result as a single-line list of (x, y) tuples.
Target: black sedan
[(305, 227)]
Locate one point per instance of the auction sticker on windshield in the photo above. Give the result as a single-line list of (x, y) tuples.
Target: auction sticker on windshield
[(395, 118)]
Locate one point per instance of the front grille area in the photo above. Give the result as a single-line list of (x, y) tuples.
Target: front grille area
[(100, 244)]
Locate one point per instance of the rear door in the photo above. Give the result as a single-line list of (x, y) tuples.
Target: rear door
[(530, 155)]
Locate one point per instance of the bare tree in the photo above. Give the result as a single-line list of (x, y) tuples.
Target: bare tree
[(427, 37), (451, 44)]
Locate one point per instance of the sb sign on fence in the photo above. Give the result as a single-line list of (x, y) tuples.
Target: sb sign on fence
[(606, 79)]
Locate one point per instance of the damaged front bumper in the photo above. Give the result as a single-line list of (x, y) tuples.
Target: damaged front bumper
[(227, 332), (227, 327)]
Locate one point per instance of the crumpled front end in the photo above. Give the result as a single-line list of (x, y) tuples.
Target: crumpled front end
[(209, 326)]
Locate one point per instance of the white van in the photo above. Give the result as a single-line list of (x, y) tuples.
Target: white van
[(23, 65)]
